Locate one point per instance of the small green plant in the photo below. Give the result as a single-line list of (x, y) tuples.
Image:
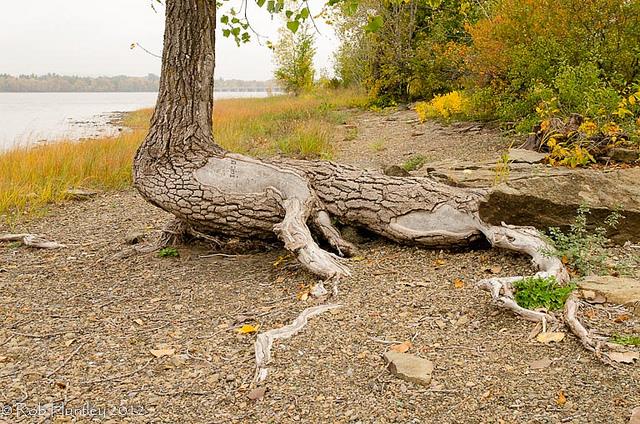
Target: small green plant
[(538, 292), (581, 248), (626, 340), (377, 146), (414, 162), (168, 252), (503, 168)]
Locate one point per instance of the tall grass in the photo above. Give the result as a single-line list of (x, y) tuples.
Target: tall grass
[(32, 178)]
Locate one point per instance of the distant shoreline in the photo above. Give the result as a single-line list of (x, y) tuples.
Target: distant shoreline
[(226, 90)]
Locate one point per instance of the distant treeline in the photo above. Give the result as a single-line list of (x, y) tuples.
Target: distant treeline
[(63, 83)]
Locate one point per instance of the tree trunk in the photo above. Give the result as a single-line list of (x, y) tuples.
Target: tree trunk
[(180, 169)]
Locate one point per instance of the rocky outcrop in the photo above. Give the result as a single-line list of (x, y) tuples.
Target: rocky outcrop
[(552, 200), (528, 193)]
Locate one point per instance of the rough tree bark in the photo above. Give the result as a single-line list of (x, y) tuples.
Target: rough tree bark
[(180, 169)]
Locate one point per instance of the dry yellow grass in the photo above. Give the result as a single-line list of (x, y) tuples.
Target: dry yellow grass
[(31, 178)]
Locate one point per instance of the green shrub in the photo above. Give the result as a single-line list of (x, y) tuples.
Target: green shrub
[(581, 248)]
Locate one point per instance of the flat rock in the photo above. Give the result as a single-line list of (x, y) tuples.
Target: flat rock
[(526, 156), (635, 416), (618, 290), (409, 367), (546, 200), (396, 171), (134, 237), (79, 193), (624, 155)]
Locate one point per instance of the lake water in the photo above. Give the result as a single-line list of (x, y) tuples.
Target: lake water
[(29, 118)]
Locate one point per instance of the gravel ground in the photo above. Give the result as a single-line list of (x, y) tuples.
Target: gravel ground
[(78, 328)]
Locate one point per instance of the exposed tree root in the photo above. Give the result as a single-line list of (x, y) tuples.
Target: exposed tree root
[(32, 240), (571, 308), (264, 341)]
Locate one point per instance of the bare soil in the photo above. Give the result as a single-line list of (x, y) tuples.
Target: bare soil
[(78, 327)]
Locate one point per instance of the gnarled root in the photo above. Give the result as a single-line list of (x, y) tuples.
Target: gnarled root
[(571, 307), (32, 240), (502, 295), (264, 341), (295, 235)]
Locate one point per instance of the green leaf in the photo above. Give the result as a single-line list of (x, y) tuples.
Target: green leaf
[(224, 19), (260, 3), (374, 24), (304, 13), (226, 32), (293, 26)]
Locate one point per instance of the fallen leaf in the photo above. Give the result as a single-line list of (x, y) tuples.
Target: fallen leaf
[(138, 321), (462, 320), (622, 318), (561, 399), (257, 393), (496, 269), (441, 324), (159, 353), (155, 300), (550, 337), (458, 283), (279, 280), (590, 313), (402, 347), (440, 262), (3, 358), (564, 260), (540, 364), (624, 357), (363, 354), (248, 328), (68, 343)]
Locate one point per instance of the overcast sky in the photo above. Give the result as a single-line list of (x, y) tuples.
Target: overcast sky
[(92, 38)]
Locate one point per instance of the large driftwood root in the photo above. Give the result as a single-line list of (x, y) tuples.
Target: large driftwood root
[(32, 240), (240, 196)]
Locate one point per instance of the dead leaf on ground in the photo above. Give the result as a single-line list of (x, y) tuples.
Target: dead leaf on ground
[(550, 337), (561, 399), (138, 321), (248, 329), (159, 353), (540, 364), (357, 258), (440, 262), (458, 283), (3, 358), (496, 269), (401, 347), (622, 318), (257, 393), (624, 357)]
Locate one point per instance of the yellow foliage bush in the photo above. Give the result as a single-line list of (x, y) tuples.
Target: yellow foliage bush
[(443, 106)]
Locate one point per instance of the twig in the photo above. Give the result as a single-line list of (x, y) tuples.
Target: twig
[(118, 377), (383, 341), (42, 336), (66, 361), (224, 255)]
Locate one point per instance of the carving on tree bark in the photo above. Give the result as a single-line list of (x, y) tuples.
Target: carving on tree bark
[(180, 169)]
